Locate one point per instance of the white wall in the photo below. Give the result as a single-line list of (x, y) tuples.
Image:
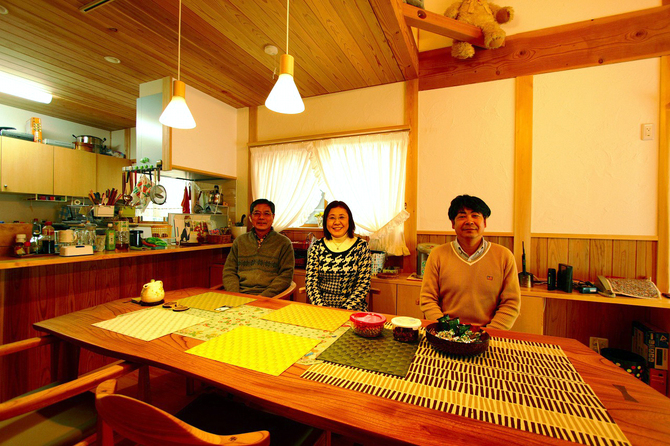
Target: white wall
[(592, 172), (52, 128), (350, 110), (466, 146), (212, 145)]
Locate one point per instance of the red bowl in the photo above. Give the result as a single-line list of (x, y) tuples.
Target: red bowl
[(367, 324)]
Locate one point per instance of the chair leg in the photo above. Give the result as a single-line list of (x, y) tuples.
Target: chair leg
[(105, 434), (144, 384)]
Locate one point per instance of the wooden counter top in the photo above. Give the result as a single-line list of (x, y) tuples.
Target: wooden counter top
[(30, 261)]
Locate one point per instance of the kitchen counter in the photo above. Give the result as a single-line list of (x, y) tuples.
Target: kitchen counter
[(43, 260)]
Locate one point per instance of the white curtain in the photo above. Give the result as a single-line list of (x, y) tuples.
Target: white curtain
[(368, 173), (282, 174)]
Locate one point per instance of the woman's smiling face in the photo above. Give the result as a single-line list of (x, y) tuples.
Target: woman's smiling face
[(337, 222)]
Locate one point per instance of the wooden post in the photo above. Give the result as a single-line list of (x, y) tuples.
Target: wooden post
[(523, 167), (411, 174)]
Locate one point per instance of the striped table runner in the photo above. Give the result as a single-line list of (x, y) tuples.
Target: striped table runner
[(519, 384)]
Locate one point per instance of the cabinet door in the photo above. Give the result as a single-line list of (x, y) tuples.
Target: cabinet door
[(408, 301), (385, 301), (74, 172), (109, 172), (27, 167)]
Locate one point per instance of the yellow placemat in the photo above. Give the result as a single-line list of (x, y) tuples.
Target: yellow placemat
[(310, 316), (212, 301), (150, 324), (252, 348)]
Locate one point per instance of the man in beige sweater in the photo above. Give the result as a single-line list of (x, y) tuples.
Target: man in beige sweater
[(471, 278)]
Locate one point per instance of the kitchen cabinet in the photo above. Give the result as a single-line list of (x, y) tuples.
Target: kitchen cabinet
[(408, 300), (385, 301), (73, 172), (108, 172), (27, 167)]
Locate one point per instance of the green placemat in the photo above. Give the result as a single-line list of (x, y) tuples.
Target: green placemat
[(381, 354)]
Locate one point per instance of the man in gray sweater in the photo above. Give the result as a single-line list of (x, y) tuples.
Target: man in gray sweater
[(261, 261)]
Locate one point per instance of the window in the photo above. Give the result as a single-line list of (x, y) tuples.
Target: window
[(175, 194)]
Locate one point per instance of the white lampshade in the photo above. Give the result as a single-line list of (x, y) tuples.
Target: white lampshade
[(284, 97), (177, 114)]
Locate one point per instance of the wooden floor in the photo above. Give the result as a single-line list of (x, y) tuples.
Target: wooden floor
[(168, 392)]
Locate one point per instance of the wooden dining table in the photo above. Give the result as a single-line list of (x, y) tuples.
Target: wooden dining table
[(642, 414)]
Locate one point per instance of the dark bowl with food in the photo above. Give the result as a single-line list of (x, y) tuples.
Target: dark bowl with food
[(455, 347)]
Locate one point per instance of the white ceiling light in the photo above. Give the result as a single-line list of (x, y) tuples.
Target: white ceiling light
[(177, 113), (3, 10), (17, 86), (112, 59), (285, 97)]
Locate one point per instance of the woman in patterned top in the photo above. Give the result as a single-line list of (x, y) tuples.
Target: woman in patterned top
[(339, 266)]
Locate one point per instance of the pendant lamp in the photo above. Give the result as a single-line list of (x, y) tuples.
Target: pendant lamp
[(284, 97), (177, 114)]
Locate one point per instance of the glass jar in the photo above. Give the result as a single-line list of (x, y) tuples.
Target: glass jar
[(122, 235), (406, 329), (48, 239), (20, 246)]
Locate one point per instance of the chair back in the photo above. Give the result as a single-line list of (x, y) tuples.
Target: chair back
[(145, 424)]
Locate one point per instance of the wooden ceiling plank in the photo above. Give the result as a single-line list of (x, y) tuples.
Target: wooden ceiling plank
[(398, 34), (348, 44), (620, 38), (444, 26), (309, 43), (378, 40)]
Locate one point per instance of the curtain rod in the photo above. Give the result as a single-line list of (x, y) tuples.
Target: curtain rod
[(394, 128)]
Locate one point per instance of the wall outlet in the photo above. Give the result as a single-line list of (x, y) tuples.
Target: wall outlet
[(596, 344), (647, 132)]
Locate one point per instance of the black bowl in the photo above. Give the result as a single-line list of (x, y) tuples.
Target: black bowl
[(458, 348)]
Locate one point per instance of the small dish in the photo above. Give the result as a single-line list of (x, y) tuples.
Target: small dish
[(368, 325), (458, 348)]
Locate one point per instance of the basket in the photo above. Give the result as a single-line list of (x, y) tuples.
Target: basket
[(219, 238), (161, 231), (457, 348)]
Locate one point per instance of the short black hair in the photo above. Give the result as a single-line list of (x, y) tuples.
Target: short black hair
[(262, 201), (475, 204), (338, 204)]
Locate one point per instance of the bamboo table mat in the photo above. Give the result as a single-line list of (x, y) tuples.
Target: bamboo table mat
[(519, 384), (381, 354)]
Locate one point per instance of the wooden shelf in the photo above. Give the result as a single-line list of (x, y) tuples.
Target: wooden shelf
[(27, 262)]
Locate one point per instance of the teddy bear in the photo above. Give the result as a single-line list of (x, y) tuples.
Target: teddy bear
[(417, 3), (484, 15)]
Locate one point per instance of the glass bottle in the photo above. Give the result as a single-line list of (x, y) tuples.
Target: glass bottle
[(122, 235), (110, 239), (20, 246), (35, 239), (48, 239)]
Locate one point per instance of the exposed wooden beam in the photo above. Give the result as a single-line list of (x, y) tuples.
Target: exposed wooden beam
[(620, 38), (401, 40), (444, 26)]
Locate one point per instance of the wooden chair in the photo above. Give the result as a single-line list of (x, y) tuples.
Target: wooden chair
[(150, 426), (372, 292), (287, 294), (61, 413)]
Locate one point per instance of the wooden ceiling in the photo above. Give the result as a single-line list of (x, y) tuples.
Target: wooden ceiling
[(337, 45)]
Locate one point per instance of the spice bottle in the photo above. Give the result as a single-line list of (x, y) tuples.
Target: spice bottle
[(122, 235), (110, 239), (48, 239), (35, 239), (20, 245)]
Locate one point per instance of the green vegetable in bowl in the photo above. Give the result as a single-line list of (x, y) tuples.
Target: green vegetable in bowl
[(453, 330)]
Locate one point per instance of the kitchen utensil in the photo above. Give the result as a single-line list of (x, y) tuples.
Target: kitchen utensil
[(158, 194)]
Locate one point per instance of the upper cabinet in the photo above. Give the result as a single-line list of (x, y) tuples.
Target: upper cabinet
[(209, 149), (73, 172), (109, 174), (27, 167)]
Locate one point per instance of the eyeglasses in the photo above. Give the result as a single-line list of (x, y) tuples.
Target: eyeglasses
[(264, 214)]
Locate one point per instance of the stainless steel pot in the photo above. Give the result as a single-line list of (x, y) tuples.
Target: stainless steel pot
[(88, 139)]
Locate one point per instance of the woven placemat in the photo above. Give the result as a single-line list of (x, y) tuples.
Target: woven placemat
[(150, 324), (381, 354), (252, 348), (310, 316), (523, 385), (212, 301)]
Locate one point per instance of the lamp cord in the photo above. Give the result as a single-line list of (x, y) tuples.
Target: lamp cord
[(287, 6), (179, 46)]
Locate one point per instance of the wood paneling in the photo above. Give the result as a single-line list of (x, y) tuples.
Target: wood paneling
[(631, 36), (34, 294)]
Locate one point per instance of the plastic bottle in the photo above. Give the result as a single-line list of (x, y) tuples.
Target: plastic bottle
[(20, 245), (48, 239), (110, 239), (35, 239)]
